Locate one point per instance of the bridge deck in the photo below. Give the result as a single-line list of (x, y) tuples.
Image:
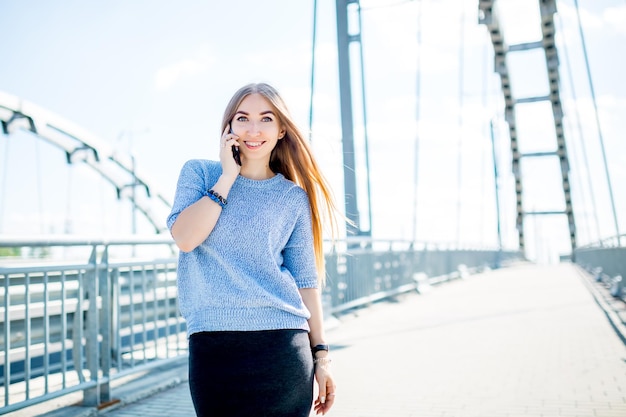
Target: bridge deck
[(524, 341)]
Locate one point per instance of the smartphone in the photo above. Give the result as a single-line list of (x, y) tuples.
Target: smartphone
[(235, 150)]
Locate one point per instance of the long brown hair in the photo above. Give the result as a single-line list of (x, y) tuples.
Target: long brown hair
[(294, 159)]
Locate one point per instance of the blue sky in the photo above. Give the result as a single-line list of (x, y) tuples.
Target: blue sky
[(153, 77)]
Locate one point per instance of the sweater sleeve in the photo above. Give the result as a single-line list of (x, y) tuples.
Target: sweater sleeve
[(299, 254), (191, 186)]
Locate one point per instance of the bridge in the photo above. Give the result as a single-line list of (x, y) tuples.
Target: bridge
[(92, 320), (524, 339), (521, 341)]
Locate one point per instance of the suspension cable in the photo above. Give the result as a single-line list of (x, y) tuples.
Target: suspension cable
[(418, 97), (460, 124), (39, 187), (595, 107), (3, 188), (365, 136), (496, 180), (68, 226), (589, 182), (483, 161), (313, 43)]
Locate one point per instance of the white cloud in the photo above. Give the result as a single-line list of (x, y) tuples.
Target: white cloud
[(616, 16), (167, 76), (588, 19)]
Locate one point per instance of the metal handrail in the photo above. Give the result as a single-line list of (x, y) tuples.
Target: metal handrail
[(72, 325), (608, 242), (606, 260)]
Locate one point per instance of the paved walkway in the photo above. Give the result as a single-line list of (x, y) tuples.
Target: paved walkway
[(521, 342)]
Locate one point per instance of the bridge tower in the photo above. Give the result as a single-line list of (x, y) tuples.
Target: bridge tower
[(502, 53), (349, 35)]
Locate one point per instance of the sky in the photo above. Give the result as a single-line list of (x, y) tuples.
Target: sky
[(151, 78)]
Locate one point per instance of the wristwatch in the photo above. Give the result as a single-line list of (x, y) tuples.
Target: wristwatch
[(318, 348)]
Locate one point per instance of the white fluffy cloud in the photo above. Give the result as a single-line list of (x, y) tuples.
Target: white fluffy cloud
[(168, 76), (616, 16)]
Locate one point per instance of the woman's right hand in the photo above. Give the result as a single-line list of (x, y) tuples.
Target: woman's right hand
[(229, 166)]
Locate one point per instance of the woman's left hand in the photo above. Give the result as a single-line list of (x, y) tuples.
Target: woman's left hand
[(326, 388)]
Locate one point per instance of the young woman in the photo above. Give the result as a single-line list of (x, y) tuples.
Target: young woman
[(249, 228)]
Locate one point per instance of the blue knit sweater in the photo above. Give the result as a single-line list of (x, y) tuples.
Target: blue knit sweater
[(246, 275)]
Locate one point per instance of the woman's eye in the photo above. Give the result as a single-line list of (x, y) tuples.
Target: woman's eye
[(267, 119)]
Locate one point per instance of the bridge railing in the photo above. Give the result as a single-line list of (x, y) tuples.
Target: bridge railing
[(72, 325), (606, 260)]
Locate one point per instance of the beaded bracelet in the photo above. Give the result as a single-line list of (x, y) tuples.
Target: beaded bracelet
[(213, 195), (324, 362)]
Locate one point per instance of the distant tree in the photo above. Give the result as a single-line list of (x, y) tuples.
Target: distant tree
[(5, 252), (41, 253)]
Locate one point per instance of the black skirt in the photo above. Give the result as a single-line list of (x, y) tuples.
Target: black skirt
[(256, 373)]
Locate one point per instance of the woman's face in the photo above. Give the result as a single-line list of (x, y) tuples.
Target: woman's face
[(257, 126)]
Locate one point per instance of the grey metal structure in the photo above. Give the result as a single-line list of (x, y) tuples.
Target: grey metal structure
[(79, 326), (606, 261), (344, 40), (489, 17), (81, 146)]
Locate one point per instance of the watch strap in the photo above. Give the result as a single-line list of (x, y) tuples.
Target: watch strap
[(319, 347)]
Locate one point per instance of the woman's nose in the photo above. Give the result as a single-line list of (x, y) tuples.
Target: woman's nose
[(255, 129)]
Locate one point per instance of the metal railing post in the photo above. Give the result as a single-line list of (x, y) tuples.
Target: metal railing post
[(7, 339), (91, 394), (106, 329)]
